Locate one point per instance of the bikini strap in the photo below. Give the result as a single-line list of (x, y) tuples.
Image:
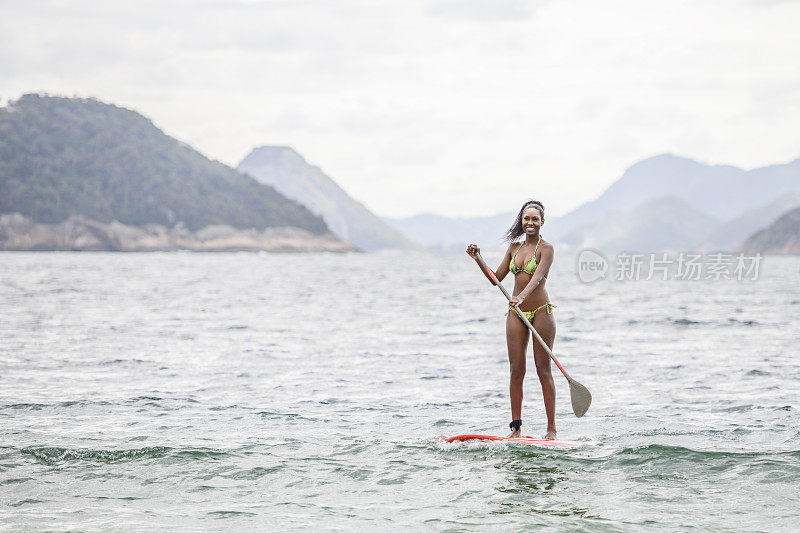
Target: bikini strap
[(533, 257), (515, 253), (513, 259)]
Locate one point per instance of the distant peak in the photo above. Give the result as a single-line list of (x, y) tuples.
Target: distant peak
[(665, 155), (275, 148), (658, 164), (665, 158), (273, 152)]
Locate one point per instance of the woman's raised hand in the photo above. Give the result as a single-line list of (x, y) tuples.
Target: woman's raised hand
[(473, 250)]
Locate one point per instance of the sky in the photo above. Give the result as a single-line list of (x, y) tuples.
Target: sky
[(456, 107)]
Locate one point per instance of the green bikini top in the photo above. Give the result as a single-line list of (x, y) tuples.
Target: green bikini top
[(530, 268)]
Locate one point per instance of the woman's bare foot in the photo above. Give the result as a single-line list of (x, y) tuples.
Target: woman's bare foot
[(515, 434), (550, 435)]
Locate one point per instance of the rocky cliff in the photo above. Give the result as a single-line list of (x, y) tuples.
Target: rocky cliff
[(78, 233)]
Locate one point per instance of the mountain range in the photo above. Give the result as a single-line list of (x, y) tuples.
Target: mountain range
[(81, 174), (662, 203)]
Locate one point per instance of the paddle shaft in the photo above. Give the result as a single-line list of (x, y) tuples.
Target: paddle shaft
[(522, 317)]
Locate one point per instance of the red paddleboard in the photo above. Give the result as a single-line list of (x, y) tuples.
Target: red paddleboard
[(523, 440)]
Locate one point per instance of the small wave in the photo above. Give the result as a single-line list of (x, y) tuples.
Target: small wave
[(40, 406), (757, 372), (25, 502), (654, 456), (26, 406), (162, 402), (145, 399), (654, 452), (230, 514), (292, 417), (738, 408), (331, 401), (687, 322), (13, 481), (201, 454), (437, 405), (81, 403), (52, 455), (744, 322), (110, 362), (62, 290), (224, 407)]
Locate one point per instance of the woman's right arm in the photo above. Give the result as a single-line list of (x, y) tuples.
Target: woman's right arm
[(501, 272)]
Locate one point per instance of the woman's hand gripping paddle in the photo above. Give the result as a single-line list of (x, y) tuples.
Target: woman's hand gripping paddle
[(580, 395)]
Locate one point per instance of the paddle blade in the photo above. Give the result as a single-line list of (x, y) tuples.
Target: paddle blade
[(581, 398)]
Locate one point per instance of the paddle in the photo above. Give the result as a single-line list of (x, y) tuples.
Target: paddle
[(580, 395)]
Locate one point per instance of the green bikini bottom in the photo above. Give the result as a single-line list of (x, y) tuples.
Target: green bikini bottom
[(529, 314)]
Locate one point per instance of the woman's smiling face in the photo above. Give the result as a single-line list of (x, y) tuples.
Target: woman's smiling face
[(531, 220)]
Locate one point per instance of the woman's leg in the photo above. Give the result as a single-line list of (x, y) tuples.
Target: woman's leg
[(545, 325), (517, 340)]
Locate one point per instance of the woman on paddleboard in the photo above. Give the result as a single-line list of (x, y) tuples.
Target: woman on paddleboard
[(529, 260)]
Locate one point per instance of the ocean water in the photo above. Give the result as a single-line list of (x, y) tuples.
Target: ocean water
[(190, 392)]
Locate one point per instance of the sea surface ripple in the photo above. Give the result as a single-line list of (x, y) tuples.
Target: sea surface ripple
[(273, 391)]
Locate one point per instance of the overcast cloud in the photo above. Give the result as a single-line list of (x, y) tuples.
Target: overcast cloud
[(471, 105)]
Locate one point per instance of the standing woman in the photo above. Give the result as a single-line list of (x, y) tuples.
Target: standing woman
[(529, 261)]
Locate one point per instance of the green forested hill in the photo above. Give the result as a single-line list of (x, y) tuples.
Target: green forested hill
[(70, 156)]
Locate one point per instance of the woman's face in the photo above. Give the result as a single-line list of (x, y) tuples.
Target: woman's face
[(531, 221)]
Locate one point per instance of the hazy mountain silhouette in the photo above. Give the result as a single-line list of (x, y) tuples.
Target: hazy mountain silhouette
[(439, 232), (722, 191), (730, 235), (720, 203), (782, 237), (667, 223), (286, 170)]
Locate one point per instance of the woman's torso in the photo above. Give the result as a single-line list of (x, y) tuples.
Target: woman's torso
[(522, 257)]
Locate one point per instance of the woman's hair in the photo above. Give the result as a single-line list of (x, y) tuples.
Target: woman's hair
[(515, 231)]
